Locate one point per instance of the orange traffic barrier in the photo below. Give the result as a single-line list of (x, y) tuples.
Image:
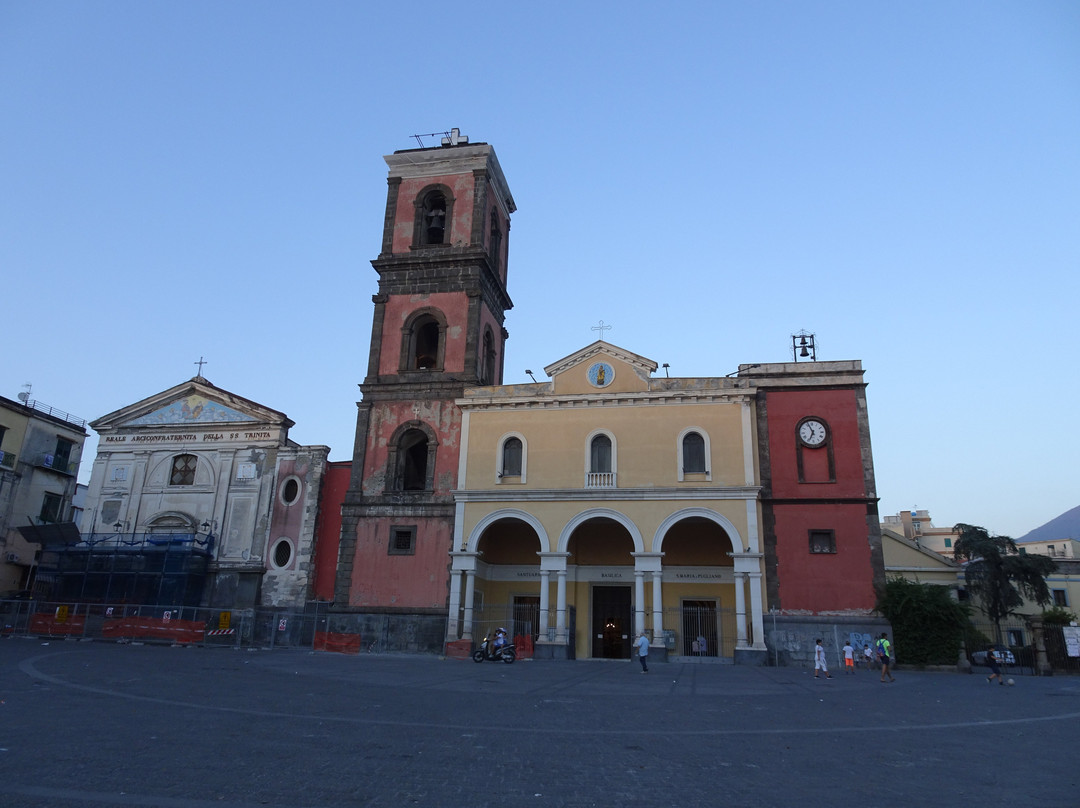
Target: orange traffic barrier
[(336, 642)]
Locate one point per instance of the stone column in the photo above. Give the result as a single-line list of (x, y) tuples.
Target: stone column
[(545, 603), (560, 608), (470, 593), (755, 611), (740, 610), (455, 606), (639, 602), (657, 607)]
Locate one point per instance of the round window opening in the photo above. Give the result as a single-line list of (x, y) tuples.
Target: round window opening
[(290, 491), (282, 553)]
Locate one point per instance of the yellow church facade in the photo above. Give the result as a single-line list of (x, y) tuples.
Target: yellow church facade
[(605, 503)]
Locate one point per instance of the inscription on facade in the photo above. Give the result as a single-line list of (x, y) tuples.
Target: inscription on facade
[(190, 437)]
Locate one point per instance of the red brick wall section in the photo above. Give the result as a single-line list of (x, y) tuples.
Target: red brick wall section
[(328, 528), (820, 582)]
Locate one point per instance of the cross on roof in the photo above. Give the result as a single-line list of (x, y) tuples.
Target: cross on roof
[(601, 328), (200, 363), (454, 137)]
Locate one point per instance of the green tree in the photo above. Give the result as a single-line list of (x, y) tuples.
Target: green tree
[(927, 622), (998, 575)]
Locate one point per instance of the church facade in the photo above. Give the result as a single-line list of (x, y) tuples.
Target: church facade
[(197, 497), (606, 503)]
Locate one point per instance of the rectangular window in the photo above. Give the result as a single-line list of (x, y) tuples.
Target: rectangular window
[(403, 540), (1015, 637), (50, 508), (948, 543), (822, 541), (1061, 598), (62, 455)]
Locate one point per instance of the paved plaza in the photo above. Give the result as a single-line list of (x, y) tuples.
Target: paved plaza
[(96, 724)]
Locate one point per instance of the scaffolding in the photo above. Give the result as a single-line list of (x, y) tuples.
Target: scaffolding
[(145, 568)]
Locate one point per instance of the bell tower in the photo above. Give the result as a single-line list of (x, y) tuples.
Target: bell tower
[(437, 329)]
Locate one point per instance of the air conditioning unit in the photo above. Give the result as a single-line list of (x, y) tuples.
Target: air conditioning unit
[(12, 557)]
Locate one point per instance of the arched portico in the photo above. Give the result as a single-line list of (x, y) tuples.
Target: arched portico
[(746, 573), (529, 540), (600, 513)]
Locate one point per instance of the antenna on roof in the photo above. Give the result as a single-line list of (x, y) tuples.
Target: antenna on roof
[(24, 396), (451, 138)]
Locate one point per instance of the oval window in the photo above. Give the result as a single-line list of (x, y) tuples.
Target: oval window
[(282, 553), (290, 491)]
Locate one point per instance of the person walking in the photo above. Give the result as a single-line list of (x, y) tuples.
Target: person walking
[(849, 658), (992, 663), (884, 651), (819, 661), (642, 645)]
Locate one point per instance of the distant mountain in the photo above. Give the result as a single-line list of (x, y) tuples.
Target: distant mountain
[(1066, 526)]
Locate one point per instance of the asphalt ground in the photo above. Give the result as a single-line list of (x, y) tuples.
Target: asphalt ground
[(87, 724)]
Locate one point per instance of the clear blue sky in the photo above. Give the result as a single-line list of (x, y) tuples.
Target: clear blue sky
[(903, 179)]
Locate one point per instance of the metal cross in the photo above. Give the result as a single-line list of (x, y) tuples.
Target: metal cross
[(200, 363), (601, 328)]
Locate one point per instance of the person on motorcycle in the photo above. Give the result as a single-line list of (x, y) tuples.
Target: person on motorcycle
[(500, 641)]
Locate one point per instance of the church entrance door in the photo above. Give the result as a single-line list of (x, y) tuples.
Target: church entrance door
[(612, 620)]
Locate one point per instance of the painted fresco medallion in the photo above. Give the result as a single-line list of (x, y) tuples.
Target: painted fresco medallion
[(601, 374)]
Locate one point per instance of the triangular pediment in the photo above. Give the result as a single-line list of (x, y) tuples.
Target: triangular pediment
[(193, 403), (601, 367), (191, 409)]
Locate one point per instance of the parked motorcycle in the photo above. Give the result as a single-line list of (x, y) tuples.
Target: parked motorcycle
[(504, 653)]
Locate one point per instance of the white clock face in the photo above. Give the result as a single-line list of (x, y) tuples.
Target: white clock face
[(812, 433)]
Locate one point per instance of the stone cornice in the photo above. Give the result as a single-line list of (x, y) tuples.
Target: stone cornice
[(507, 494), (520, 398)]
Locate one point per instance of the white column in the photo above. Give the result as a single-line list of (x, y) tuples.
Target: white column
[(545, 604), (755, 611), (740, 610), (455, 606), (657, 607), (560, 608), (470, 594), (639, 602)]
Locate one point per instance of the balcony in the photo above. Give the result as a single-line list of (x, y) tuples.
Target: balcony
[(56, 463), (7, 460), (600, 479), (53, 412)]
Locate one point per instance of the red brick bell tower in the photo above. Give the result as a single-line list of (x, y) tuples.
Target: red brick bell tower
[(437, 328)]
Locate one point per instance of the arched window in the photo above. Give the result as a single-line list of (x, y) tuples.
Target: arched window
[(426, 348), (693, 449), (600, 460), (433, 228), (487, 361), (600, 455), (423, 338), (511, 458), (434, 214), (412, 458), (183, 470)]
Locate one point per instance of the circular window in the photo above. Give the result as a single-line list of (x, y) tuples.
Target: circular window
[(290, 491), (282, 553)]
